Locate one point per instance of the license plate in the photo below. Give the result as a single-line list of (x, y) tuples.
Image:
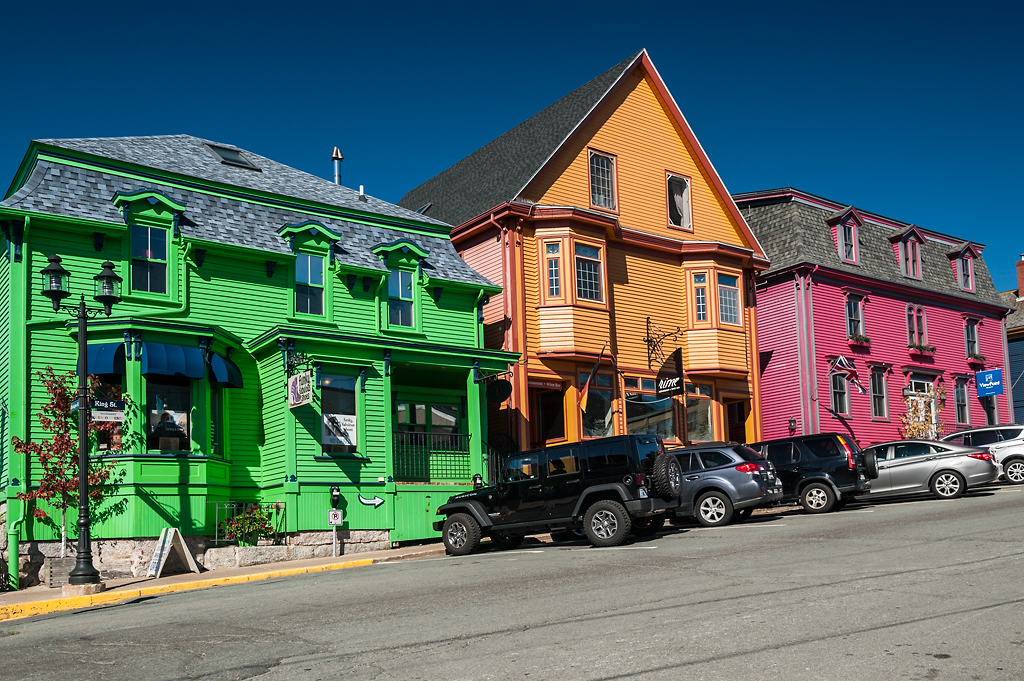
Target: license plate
[(643, 493)]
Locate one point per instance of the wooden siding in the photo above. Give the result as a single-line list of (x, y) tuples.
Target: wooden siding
[(484, 254), (1015, 349), (568, 328), (634, 125), (781, 387), (717, 349), (5, 360)]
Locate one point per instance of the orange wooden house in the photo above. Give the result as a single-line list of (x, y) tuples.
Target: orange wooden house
[(609, 230)]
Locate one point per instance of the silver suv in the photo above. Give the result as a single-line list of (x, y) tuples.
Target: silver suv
[(1005, 443)]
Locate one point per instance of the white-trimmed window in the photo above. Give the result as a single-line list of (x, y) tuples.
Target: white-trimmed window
[(728, 299), (309, 284), (679, 209), (963, 413), (965, 269), (840, 395), (854, 316), (917, 330), (879, 395), (553, 260), (588, 273), (700, 296), (847, 233), (149, 259), (400, 299), (971, 337), (910, 258), (602, 181)]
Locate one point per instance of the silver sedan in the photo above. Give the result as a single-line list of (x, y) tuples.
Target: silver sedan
[(942, 468)]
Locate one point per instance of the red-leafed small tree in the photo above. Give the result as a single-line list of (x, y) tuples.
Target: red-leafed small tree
[(58, 455)]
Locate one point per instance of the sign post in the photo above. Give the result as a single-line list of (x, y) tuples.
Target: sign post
[(335, 518)]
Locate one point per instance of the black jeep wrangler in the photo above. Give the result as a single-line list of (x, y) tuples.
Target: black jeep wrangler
[(606, 487)]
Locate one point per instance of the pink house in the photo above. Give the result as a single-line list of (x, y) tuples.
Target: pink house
[(859, 310)]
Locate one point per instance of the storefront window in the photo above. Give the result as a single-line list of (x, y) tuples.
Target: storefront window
[(597, 419), (699, 424), (108, 387), (339, 423), (648, 414), (168, 404)]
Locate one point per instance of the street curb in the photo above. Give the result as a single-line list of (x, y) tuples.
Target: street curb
[(22, 610)]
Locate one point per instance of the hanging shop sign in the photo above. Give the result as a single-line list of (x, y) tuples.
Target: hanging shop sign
[(989, 382), (300, 389), (670, 376), (340, 429)]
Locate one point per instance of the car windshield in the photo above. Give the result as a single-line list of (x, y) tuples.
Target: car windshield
[(747, 454)]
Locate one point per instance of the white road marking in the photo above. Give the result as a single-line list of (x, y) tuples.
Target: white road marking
[(862, 511), (616, 548)]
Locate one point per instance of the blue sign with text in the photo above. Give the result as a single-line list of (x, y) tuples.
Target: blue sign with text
[(989, 382)]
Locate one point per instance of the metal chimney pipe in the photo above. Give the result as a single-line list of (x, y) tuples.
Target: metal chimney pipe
[(337, 158)]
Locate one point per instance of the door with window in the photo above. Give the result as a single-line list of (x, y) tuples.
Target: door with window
[(922, 394), (786, 457), (563, 483), (430, 443), (910, 467), (523, 497)]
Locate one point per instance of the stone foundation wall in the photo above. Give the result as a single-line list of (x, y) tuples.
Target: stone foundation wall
[(121, 558)]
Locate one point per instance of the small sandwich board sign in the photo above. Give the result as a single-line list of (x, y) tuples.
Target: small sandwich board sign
[(170, 542)]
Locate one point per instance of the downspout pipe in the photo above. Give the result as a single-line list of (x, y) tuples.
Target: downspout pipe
[(22, 406)]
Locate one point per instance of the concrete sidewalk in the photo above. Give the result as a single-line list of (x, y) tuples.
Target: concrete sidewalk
[(42, 600)]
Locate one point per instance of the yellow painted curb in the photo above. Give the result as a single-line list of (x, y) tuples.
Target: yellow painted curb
[(33, 609)]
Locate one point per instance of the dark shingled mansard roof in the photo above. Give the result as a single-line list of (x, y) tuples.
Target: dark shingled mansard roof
[(496, 172), (60, 189), (792, 231), (1016, 318)]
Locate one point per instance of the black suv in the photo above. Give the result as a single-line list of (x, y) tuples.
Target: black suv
[(823, 472), (723, 480), (606, 487)]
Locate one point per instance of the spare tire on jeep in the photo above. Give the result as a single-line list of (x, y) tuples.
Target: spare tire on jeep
[(667, 476)]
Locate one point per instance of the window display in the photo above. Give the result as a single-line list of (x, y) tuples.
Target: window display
[(339, 427), (168, 404)]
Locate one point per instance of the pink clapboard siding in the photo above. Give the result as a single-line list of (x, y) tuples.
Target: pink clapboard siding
[(777, 345), (885, 323), (484, 255)]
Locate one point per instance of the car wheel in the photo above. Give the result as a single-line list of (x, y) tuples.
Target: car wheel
[(743, 514), (505, 542), (871, 466), (668, 477), (817, 498), (567, 535), (648, 526), (606, 523), (948, 485), (461, 534), (1014, 471), (714, 509)]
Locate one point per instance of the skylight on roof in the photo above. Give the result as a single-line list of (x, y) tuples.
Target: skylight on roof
[(232, 157)]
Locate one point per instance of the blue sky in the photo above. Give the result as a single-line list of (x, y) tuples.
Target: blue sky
[(906, 109)]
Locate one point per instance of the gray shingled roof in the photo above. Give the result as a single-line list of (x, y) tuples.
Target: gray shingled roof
[(793, 232), (496, 172), (71, 191), (1016, 319), (188, 155)]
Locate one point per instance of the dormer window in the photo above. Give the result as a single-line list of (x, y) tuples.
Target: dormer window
[(309, 284), (848, 241), (910, 258), (400, 299), (965, 270)]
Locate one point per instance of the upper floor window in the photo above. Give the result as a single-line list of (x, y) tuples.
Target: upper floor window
[(910, 258), (917, 332), (588, 272), (679, 212), (602, 181), (840, 390), (966, 271), (149, 259), (962, 410), (400, 299), (309, 284), (848, 241), (700, 296), (879, 399), (728, 299), (854, 317), (552, 254), (971, 337)]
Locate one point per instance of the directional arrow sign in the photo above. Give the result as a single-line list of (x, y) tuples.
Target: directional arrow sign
[(375, 501)]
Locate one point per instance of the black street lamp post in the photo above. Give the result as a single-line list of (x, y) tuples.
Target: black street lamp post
[(108, 292)]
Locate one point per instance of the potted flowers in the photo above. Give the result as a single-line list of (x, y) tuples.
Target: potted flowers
[(248, 526)]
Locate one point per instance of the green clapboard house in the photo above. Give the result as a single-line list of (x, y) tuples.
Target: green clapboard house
[(238, 273)]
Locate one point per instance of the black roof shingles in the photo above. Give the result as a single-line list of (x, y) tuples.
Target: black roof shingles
[(793, 232), (87, 193), (497, 171)]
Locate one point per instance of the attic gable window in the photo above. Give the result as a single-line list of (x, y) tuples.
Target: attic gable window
[(231, 157), (602, 181), (679, 211), (965, 269)]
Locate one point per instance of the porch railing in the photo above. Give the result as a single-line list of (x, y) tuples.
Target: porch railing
[(247, 522), (429, 457)]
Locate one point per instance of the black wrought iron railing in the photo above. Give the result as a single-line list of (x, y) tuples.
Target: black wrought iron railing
[(432, 457)]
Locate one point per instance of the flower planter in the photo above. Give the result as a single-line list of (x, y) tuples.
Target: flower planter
[(917, 352), (975, 362), (858, 343)]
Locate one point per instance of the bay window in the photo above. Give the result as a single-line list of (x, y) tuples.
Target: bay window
[(728, 299), (588, 273), (168, 407), (700, 296), (552, 252)]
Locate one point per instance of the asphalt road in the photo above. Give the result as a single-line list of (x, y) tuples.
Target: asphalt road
[(899, 590)]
